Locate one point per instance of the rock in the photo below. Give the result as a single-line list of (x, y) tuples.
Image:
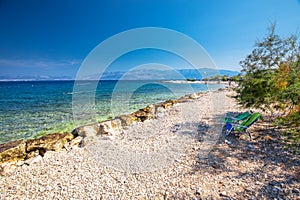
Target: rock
[(200, 94), (143, 114), (216, 165), (105, 127), (168, 103), (268, 137), (76, 141), (86, 131), (67, 146), (297, 173), (223, 194), (193, 96), (183, 100), (7, 168), (296, 191), (89, 130), (227, 142), (108, 137), (51, 142), (116, 124), (49, 154), (87, 140), (250, 146), (32, 154), (126, 120), (159, 112), (151, 109), (33, 160), (12, 151), (20, 163)]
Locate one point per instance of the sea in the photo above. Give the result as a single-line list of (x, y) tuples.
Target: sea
[(30, 109)]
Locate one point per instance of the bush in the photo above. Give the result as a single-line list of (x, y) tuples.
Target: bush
[(271, 79)]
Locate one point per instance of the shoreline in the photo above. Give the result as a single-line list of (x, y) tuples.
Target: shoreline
[(197, 82), (28, 122), (209, 166), (66, 128), (16, 150)]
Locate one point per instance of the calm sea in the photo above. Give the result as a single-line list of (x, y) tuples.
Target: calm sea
[(33, 108)]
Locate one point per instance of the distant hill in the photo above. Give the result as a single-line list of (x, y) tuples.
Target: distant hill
[(165, 74), (34, 78), (150, 74)]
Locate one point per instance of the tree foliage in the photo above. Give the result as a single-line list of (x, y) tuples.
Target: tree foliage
[(271, 79), (271, 74)]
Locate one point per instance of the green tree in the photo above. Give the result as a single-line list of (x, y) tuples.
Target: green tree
[(271, 80), (259, 88), (225, 78)]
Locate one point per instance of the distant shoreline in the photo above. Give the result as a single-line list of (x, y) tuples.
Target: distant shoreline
[(194, 82), (159, 80)]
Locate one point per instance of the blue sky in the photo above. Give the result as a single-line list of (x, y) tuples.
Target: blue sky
[(52, 37)]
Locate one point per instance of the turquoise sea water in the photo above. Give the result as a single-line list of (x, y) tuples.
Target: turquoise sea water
[(33, 108)]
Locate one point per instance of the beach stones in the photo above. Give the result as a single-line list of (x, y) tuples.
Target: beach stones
[(105, 127), (32, 154), (12, 151), (76, 141), (86, 131), (116, 124), (51, 142), (168, 103), (33, 160), (126, 120), (143, 114), (20, 150)]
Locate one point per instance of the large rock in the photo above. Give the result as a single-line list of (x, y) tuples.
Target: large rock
[(105, 127), (51, 142), (32, 154), (12, 151), (7, 168), (126, 120), (76, 141), (87, 131), (143, 114), (168, 103), (116, 124), (184, 99), (33, 160)]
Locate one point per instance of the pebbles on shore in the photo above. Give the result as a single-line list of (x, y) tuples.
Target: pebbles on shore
[(203, 166)]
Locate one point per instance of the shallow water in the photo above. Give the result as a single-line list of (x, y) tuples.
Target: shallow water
[(31, 109)]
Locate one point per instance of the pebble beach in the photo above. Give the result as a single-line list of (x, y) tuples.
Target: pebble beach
[(182, 153)]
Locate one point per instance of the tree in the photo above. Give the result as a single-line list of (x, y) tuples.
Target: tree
[(287, 83), (271, 73), (271, 80)]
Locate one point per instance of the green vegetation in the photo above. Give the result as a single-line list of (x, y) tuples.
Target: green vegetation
[(271, 80), (216, 78), (191, 79), (237, 78)]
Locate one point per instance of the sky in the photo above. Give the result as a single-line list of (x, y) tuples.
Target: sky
[(53, 37)]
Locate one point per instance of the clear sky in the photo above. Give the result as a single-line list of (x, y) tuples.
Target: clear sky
[(52, 37)]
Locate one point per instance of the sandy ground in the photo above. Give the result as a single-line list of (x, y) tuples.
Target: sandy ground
[(182, 154)]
